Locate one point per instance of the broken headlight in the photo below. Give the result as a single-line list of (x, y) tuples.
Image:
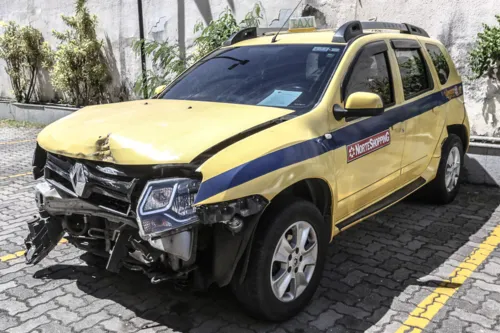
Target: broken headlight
[(166, 205), (225, 211)]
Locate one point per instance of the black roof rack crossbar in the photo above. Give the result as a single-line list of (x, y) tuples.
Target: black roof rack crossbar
[(248, 33), (241, 35), (353, 29)]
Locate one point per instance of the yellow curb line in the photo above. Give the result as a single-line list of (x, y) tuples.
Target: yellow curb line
[(14, 142), (18, 254), (15, 176), (422, 315)]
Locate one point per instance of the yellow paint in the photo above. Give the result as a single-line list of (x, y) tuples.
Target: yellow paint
[(21, 253), (15, 142), (150, 132), (15, 176), (174, 131), (364, 100), (422, 315)]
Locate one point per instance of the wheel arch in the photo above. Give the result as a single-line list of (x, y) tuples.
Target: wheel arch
[(314, 190), (461, 131)]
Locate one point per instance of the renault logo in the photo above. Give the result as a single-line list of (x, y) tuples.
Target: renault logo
[(78, 177)]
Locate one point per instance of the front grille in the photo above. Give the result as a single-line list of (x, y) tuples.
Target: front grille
[(117, 192)]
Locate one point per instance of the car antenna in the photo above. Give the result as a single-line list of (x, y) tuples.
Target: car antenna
[(275, 36)]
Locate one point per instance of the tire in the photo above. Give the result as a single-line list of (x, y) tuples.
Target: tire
[(439, 191), (256, 292)]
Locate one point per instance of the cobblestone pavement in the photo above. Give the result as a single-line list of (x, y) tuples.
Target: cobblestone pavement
[(378, 272)]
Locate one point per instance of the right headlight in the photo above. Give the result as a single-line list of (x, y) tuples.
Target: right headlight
[(166, 205)]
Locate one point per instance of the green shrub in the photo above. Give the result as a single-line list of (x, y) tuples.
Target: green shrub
[(167, 60), (485, 56), (218, 31), (80, 72), (25, 53), (167, 64)]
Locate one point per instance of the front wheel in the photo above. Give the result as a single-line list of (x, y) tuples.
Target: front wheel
[(286, 261)]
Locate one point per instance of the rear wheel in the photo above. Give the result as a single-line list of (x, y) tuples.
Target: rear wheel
[(444, 188), (286, 262)]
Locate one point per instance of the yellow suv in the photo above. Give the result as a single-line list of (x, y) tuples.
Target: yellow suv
[(245, 167)]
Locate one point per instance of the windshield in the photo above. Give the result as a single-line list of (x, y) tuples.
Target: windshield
[(288, 76)]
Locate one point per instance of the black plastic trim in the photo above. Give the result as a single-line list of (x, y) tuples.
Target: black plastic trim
[(352, 29), (384, 203), (405, 44), (347, 32), (243, 34)]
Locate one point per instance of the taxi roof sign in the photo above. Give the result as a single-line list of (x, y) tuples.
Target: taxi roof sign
[(306, 23)]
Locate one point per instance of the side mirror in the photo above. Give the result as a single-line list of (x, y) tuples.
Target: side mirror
[(360, 104), (159, 89)]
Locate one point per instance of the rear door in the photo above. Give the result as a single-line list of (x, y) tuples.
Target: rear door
[(421, 93)]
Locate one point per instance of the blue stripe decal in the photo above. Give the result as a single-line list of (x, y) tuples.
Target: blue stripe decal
[(318, 146)]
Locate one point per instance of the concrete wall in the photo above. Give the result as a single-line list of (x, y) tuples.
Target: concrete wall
[(454, 22)]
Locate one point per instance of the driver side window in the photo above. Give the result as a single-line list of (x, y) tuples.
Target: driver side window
[(371, 73)]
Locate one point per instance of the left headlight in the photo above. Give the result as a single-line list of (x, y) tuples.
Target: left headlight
[(166, 205)]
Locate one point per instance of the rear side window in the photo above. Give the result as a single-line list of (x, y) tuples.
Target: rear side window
[(413, 72), (439, 61), (371, 74)]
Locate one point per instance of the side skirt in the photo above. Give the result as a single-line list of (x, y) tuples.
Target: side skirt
[(382, 204)]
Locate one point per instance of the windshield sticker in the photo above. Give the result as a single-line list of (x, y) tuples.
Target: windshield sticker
[(324, 49), (280, 98), (368, 145)]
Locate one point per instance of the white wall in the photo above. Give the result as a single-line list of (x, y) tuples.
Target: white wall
[(454, 22)]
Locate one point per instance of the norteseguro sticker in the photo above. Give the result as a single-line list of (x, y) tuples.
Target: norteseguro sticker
[(368, 145)]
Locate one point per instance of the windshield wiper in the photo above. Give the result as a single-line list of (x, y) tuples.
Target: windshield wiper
[(239, 61)]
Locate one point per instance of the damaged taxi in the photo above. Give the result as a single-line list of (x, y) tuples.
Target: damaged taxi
[(242, 170)]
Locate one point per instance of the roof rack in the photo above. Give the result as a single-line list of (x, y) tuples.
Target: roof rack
[(248, 33), (353, 29)]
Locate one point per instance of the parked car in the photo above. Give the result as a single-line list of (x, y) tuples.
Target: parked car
[(244, 169)]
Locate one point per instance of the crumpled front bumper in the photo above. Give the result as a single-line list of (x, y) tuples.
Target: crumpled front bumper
[(55, 206), (43, 237)]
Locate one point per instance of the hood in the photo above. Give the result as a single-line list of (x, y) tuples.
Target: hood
[(152, 131)]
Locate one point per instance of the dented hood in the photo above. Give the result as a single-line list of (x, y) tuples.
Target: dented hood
[(152, 131)]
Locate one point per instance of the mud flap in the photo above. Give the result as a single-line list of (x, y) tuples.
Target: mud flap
[(45, 233)]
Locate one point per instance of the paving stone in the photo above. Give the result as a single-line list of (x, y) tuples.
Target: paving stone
[(45, 297), (53, 328), (491, 309), (326, 319), (473, 318), (90, 321), (29, 325), (36, 311), (12, 306), (70, 301), (117, 325), (64, 315), (7, 286), (7, 321)]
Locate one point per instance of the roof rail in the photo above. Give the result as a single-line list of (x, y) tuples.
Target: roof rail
[(353, 29)]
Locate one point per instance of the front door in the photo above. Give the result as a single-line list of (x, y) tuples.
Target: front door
[(371, 161)]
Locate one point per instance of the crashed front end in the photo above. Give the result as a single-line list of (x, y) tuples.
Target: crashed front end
[(143, 218)]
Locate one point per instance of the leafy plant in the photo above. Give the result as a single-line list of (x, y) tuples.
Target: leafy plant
[(25, 53), (167, 64), (486, 54), (167, 60), (80, 70), (218, 31)]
